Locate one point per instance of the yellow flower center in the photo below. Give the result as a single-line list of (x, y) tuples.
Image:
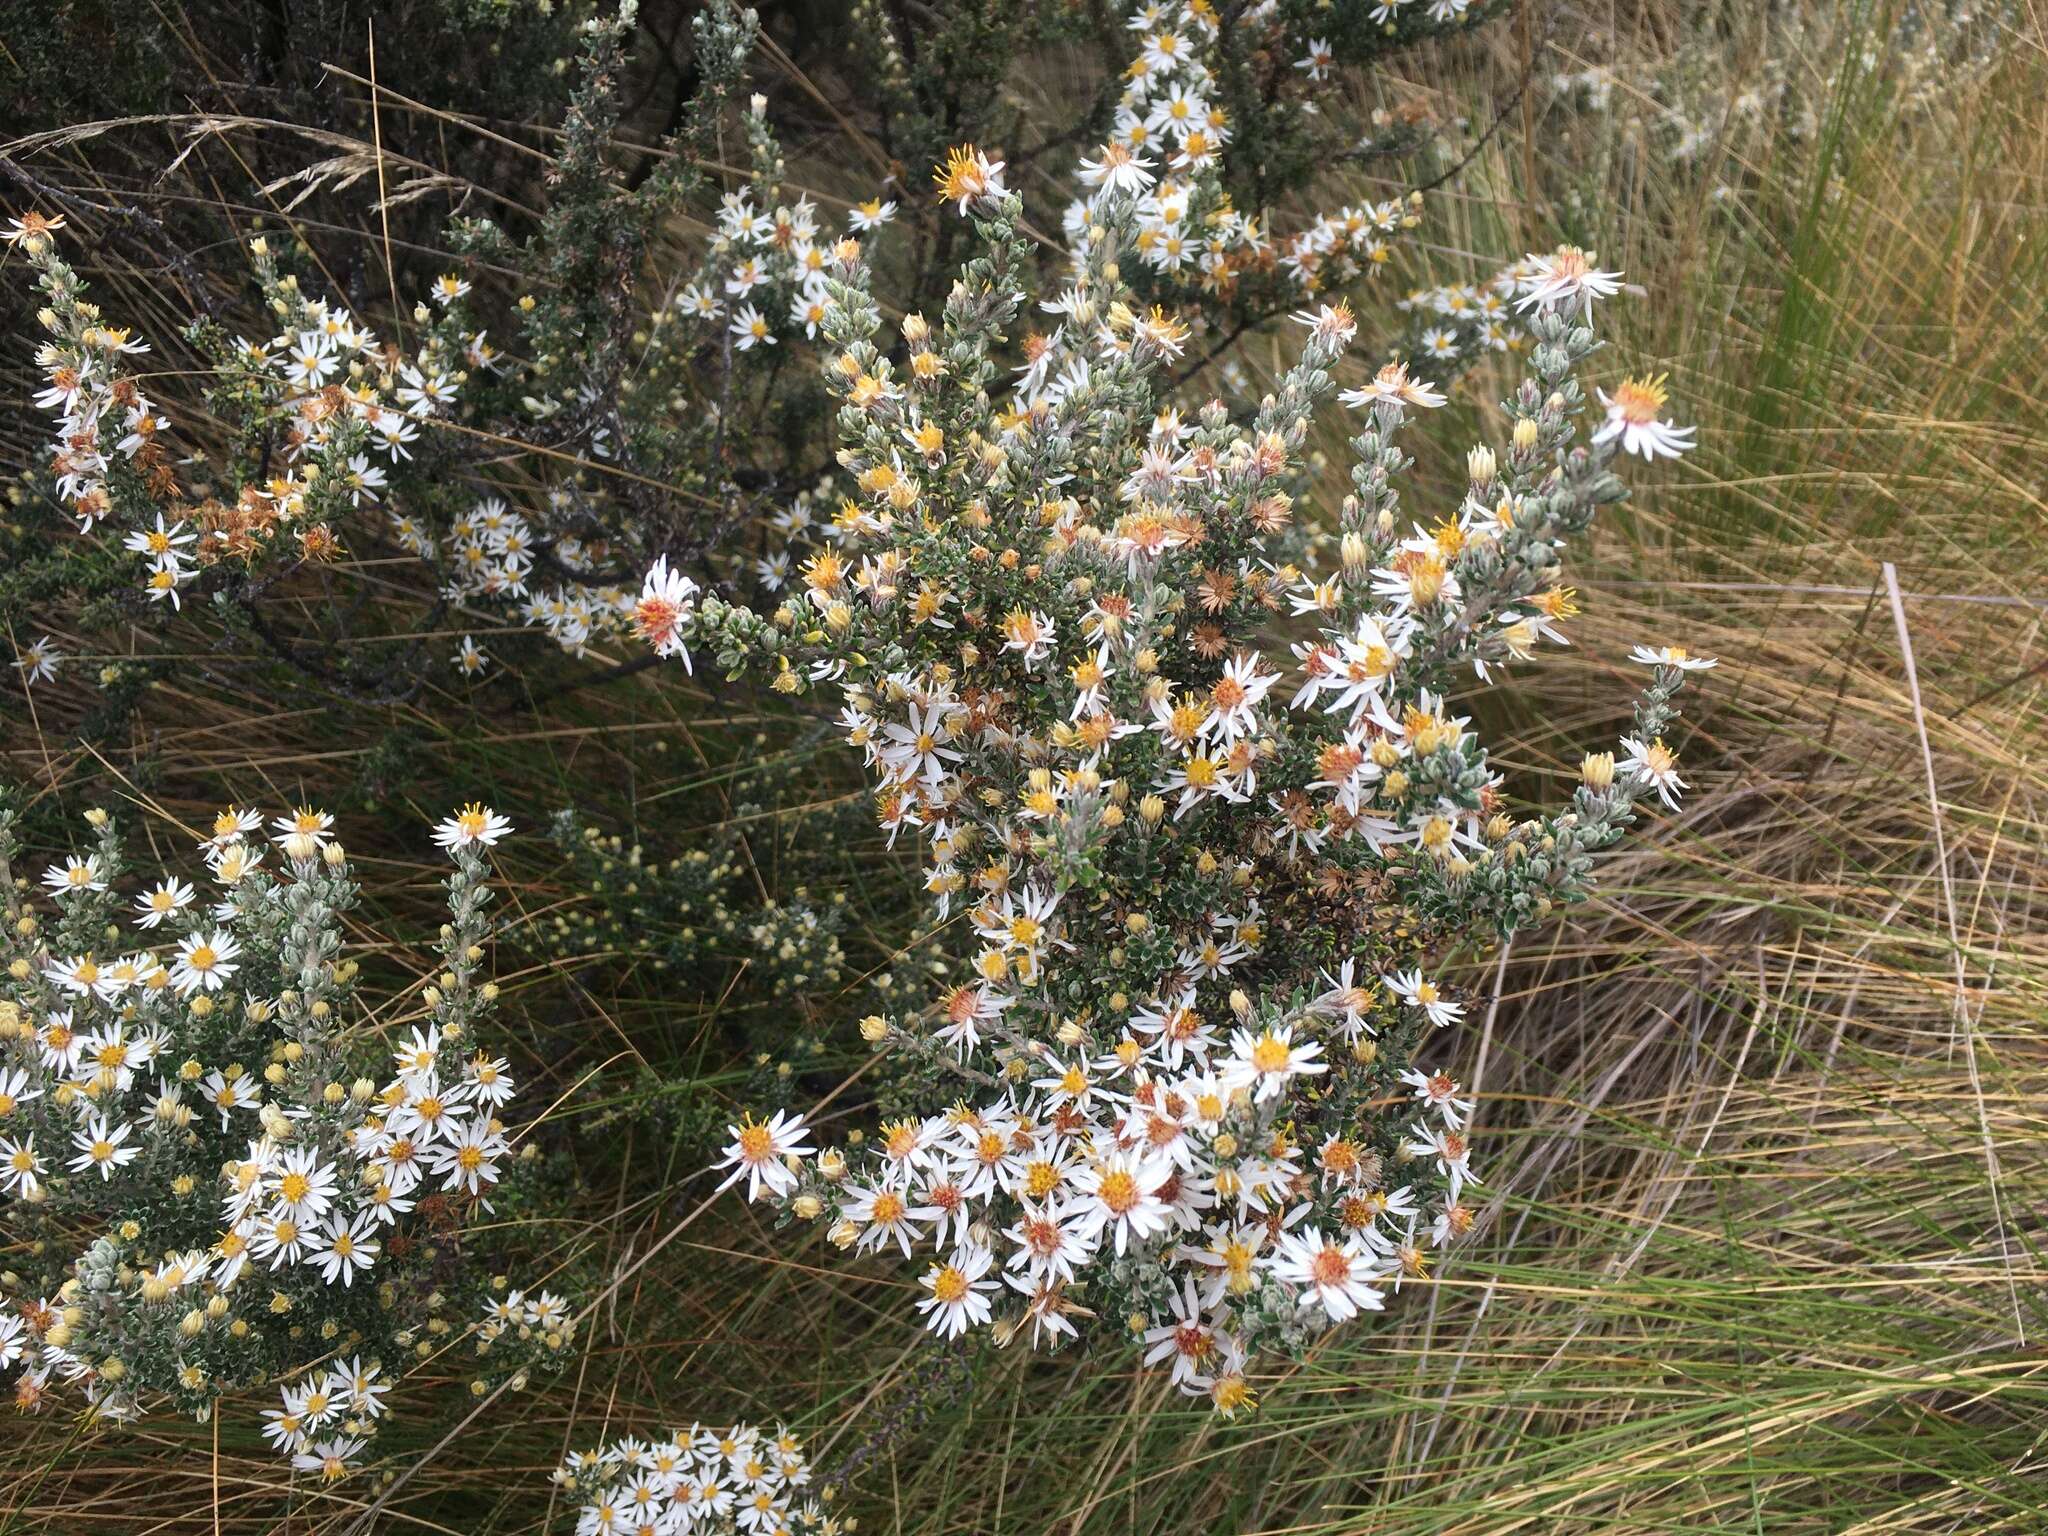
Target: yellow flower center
[(1638, 401), (1331, 1266), (1118, 1190), (888, 1208)]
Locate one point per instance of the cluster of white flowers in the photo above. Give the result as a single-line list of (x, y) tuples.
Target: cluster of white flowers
[(339, 380), (102, 417), (350, 401), (323, 1420), (715, 1482), (389, 393), (1461, 320), (352, 410), (491, 552), (773, 259), (1209, 900), (193, 1106), (1164, 150), (333, 416)]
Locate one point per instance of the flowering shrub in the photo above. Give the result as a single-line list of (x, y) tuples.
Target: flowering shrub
[(717, 1481), (280, 387), (1190, 236), (529, 426), (1211, 899), (1205, 835), (206, 1185), (339, 438), (1236, 107)]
